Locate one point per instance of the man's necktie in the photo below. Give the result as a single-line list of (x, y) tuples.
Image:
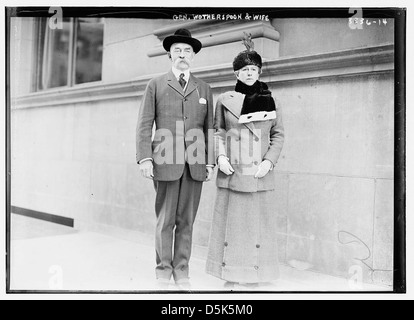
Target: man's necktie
[(182, 81)]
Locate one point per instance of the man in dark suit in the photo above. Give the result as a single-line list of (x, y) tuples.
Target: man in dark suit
[(179, 156)]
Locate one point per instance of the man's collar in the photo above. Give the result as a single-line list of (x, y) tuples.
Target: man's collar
[(177, 73)]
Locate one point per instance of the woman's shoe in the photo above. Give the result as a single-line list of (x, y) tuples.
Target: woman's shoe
[(246, 286), (229, 285)]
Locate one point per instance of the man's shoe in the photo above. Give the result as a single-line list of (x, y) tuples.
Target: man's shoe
[(162, 284), (183, 284)]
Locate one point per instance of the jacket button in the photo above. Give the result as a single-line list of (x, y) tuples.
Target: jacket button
[(223, 264), (257, 246), (226, 244), (256, 163), (256, 139), (256, 267)]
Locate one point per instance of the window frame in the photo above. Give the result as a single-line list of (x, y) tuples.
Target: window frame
[(72, 55)]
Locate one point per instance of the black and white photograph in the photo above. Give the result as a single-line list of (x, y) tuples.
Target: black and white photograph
[(205, 150)]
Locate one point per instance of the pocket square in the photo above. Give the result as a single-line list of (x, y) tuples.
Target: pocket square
[(202, 101)]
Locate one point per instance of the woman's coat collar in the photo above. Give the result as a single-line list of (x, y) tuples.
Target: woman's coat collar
[(233, 102)]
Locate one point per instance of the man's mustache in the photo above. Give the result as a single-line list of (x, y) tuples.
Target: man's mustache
[(183, 60)]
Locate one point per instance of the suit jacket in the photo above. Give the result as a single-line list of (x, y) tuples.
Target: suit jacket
[(182, 122), (246, 145)]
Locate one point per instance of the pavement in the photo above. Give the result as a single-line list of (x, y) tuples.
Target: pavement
[(46, 256)]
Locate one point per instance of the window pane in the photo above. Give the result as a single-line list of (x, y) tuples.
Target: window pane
[(40, 49), (89, 47), (55, 60)]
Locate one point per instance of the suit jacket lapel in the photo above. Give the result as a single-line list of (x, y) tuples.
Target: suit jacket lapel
[(173, 83), (192, 85), (234, 104)]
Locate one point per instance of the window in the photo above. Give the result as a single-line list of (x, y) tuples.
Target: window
[(70, 55)]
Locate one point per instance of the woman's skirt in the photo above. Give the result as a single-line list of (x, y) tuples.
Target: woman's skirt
[(243, 239)]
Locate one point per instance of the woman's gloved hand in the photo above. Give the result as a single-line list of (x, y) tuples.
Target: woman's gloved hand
[(264, 169), (224, 165)]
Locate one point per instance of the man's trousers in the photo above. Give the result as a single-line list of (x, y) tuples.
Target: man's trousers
[(176, 207)]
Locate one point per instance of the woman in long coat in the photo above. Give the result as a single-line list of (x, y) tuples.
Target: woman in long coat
[(249, 138)]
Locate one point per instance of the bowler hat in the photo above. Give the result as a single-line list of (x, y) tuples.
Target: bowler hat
[(182, 36)]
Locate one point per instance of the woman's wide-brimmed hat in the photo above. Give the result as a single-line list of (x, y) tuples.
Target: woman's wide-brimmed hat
[(182, 36), (247, 57)]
